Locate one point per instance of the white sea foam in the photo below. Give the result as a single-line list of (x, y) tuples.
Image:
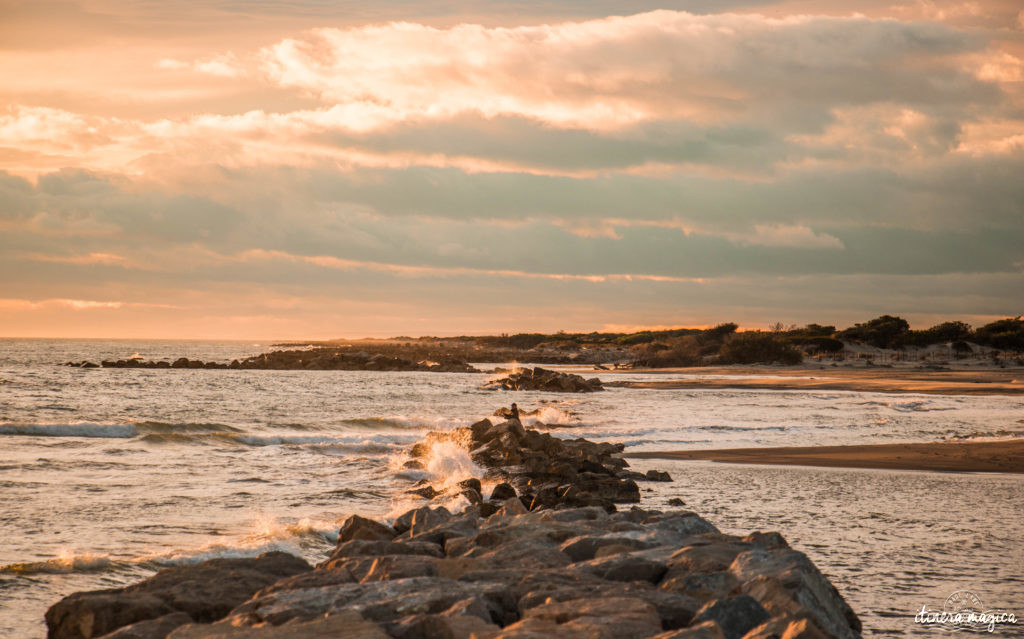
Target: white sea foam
[(550, 415), (449, 462), (67, 561)]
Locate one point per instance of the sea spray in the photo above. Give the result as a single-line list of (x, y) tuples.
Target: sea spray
[(66, 561)]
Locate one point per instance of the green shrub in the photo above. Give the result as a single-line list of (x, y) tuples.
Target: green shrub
[(1004, 334), (756, 347), (886, 331)]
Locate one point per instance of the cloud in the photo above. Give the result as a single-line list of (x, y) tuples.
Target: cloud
[(225, 65), (614, 72), (646, 163)]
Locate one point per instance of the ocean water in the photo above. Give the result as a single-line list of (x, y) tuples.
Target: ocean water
[(106, 475)]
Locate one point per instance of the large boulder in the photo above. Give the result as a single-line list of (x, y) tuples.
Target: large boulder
[(205, 592), (807, 588)]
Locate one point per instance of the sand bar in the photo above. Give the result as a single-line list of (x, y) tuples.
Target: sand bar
[(998, 456), (877, 380)]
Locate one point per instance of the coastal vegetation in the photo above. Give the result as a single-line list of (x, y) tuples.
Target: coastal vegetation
[(887, 337)]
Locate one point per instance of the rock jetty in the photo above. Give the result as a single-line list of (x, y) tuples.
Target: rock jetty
[(547, 554), (542, 379), (332, 359), (541, 470)]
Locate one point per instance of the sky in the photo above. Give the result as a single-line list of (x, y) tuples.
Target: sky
[(312, 169)]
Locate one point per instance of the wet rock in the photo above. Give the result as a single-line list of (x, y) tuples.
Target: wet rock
[(658, 475), (734, 615), (206, 592), (356, 527), (675, 501), (427, 492)]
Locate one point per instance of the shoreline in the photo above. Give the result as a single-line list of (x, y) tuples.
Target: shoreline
[(873, 380), (998, 456)]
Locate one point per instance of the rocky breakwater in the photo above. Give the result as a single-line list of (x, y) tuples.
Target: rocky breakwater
[(335, 359), (538, 469), (498, 569), (541, 379)]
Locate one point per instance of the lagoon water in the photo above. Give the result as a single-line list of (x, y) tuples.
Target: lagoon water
[(106, 475)]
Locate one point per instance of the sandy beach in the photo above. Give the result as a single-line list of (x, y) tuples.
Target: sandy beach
[(998, 456), (877, 380)]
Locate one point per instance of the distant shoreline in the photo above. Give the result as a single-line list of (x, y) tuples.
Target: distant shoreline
[(997, 456), (873, 380)]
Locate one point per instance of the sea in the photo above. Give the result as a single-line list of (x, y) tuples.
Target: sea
[(109, 475)]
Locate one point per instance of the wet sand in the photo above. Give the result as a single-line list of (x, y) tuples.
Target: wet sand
[(1002, 456), (874, 379)]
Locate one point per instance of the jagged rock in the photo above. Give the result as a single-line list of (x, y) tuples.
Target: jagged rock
[(703, 586), (540, 379), (502, 492), (804, 582), (707, 555), (647, 566), (206, 592), (422, 518), (356, 527), (734, 615), (586, 547)]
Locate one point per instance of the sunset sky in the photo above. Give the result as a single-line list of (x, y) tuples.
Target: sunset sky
[(315, 169)]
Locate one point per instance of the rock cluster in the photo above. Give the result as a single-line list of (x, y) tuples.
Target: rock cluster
[(578, 573), (314, 359), (541, 470), (546, 555), (542, 379)]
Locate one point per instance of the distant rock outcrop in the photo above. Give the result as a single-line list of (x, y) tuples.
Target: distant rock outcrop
[(329, 359), (542, 379)]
